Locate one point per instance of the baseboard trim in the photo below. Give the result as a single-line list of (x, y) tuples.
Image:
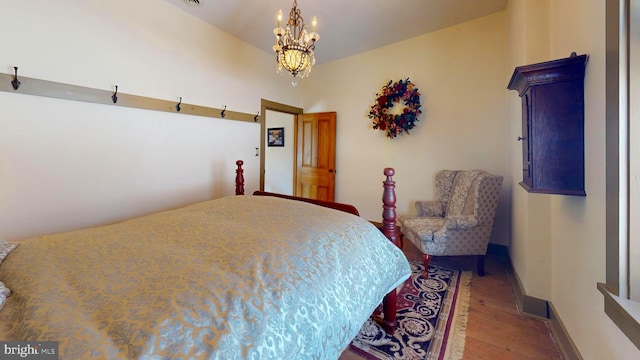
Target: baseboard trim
[(527, 304), (566, 346), (532, 306)]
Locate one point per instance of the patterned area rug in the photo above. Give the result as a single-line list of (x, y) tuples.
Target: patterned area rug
[(432, 318)]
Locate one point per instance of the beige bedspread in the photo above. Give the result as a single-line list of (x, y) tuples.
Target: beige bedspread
[(237, 277)]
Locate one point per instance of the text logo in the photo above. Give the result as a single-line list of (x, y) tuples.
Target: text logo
[(33, 350)]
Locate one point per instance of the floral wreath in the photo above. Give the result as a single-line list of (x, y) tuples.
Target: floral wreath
[(394, 93)]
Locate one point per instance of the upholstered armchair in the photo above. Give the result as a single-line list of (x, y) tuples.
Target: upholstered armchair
[(460, 219)]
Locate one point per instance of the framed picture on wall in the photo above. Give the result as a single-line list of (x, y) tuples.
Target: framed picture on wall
[(275, 136)]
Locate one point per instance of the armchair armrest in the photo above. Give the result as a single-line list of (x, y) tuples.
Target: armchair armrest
[(433, 208), (460, 222)]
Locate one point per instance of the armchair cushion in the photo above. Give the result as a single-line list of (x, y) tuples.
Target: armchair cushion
[(431, 208), (454, 222), (424, 232), (463, 197)]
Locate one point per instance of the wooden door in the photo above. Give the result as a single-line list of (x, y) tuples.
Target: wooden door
[(316, 156)]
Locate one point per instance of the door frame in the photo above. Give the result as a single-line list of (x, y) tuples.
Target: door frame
[(274, 106)]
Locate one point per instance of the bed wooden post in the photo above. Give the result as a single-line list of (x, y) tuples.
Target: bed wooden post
[(389, 207), (239, 178), (389, 217)]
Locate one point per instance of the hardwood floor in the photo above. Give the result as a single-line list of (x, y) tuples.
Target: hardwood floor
[(495, 329)]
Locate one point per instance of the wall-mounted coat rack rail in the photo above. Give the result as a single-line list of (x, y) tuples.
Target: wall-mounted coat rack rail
[(57, 90)]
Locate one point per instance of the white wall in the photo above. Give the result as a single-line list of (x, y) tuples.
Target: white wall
[(578, 225), (460, 72), (565, 263), (67, 165), (278, 161), (528, 24)]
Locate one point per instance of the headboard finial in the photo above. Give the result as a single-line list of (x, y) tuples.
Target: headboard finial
[(239, 178)]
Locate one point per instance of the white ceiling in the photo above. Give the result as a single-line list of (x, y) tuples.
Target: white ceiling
[(346, 27)]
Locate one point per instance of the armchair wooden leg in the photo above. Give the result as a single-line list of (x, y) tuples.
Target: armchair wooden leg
[(480, 265), (425, 259)]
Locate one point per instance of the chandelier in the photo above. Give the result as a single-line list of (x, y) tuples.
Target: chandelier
[(294, 45)]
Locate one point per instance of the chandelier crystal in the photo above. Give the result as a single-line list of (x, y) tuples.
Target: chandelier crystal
[(295, 45)]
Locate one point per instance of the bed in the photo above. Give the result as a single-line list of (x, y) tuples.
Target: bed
[(241, 277)]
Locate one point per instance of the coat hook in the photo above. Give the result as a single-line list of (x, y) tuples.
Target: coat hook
[(255, 118), (225, 109), (178, 105), (15, 82), (114, 97)]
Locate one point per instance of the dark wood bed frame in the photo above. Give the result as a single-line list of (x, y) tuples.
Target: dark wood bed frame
[(389, 217)]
